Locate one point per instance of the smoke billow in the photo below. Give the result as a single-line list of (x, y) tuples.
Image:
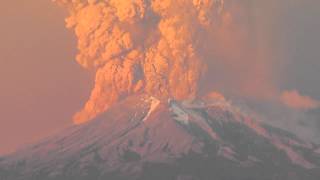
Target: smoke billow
[(168, 48), (295, 100)]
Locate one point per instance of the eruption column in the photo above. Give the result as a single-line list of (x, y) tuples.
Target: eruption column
[(166, 48)]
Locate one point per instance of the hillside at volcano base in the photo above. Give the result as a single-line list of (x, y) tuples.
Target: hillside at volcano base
[(144, 138)]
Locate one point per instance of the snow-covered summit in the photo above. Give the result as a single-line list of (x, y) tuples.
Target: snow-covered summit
[(146, 138)]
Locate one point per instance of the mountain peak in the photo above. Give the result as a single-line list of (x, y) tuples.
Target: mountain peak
[(143, 135)]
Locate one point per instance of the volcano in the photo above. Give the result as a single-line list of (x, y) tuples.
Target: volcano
[(145, 138)]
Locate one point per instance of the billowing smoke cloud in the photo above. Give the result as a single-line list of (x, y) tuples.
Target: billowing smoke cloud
[(295, 100), (167, 48), (171, 48)]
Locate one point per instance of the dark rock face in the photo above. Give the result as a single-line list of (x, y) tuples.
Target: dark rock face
[(142, 138)]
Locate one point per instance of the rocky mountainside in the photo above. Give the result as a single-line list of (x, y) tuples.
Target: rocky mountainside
[(143, 138)]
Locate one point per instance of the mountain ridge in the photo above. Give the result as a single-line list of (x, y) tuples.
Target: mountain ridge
[(145, 138)]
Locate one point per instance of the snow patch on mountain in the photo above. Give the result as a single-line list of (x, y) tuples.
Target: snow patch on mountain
[(179, 113), (154, 103), (185, 114), (295, 157), (227, 152)]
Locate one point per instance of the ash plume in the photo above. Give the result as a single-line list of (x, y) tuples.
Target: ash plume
[(295, 100), (179, 49)]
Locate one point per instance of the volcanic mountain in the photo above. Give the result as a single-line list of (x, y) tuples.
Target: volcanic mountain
[(145, 138)]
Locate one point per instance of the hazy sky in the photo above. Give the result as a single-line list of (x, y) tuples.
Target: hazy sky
[(293, 28), (299, 39), (42, 86)]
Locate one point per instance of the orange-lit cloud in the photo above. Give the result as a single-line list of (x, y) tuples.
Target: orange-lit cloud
[(295, 100), (167, 48)]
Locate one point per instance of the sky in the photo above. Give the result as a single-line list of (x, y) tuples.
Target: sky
[(41, 85), (299, 42)]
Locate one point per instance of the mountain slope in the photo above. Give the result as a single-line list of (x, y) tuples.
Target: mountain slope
[(144, 138)]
